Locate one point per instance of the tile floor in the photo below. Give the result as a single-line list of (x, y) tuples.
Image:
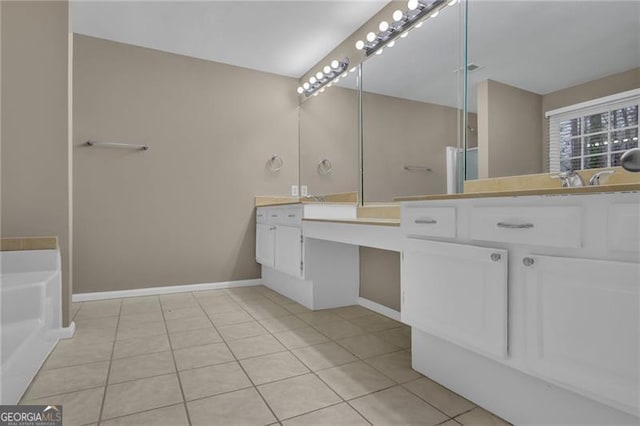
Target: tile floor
[(244, 356)]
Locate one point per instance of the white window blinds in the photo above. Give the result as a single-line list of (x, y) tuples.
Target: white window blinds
[(593, 134)]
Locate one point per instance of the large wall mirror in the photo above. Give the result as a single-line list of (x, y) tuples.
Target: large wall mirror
[(412, 110), (573, 64), (328, 126)]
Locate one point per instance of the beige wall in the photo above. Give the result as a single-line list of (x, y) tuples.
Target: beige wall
[(35, 156), (399, 132), (329, 129), (509, 130), (380, 276), (599, 88), (181, 212)]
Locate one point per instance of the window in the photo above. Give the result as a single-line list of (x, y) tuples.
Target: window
[(593, 134)]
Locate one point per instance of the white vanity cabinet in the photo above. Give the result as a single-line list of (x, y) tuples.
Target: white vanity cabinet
[(560, 308), (279, 239), (314, 272)]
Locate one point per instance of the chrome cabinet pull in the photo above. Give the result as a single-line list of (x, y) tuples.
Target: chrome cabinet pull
[(272, 228), (496, 257), (274, 215), (527, 261), (291, 215), (515, 225), (426, 221)]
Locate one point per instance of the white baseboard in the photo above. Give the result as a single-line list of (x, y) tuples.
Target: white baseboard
[(381, 309), (154, 291)]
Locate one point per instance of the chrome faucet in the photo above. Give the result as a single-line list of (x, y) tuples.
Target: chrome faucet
[(319, 198), (571, 179), (595, 179)]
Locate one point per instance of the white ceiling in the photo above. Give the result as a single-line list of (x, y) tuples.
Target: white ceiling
[(540, 46), (281, 37)]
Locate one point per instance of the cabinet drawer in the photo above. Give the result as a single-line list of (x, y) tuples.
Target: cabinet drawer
[(290, 217), (548, 226), (429, 221), (274, 215), (261, 215), (624, 227)]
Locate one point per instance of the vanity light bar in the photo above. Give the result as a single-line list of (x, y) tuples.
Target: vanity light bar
[(324, 78), (418, 10)]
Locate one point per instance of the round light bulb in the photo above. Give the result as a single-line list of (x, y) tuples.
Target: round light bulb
[(313, 80), (306, 86), (326, 69), (335, 64), (391, 43), (359, 44), (412, 4), (371, 36), (319, 75), (300, 90), (404, 34), (384, 26), (398, 15), (435, 14)]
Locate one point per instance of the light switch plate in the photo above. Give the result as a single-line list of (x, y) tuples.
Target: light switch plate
[(294, 190), (303, 191)]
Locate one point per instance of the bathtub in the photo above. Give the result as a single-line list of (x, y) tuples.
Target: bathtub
[(30, 317)]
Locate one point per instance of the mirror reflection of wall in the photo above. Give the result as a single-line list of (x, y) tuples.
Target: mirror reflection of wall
[(529, 58), (412, 110), (328, 125)]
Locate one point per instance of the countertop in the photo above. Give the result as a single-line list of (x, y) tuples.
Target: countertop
[(628, 187)]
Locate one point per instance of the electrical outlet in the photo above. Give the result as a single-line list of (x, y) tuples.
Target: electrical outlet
[(303, 191), (294, 190)]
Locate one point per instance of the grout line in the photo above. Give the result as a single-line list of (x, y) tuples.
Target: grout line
[(175, 364), (138, 412), (113, 348), (241, 366)]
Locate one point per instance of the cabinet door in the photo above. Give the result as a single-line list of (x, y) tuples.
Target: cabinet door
[(456, 292), (265, 244), (583, 327), (289, 250)]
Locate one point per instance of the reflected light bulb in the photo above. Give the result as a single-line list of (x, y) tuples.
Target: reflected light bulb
[(322, 90), (306, 86), (344, 75), (353, 69), (337, 80), (404, 34), (319, 75), (300, 90), (419, 24), (412, 4), (315, 94), (384, 26), (312, 80), (335, 64), (379, 52), (398, 15), (435, 14), (371, 36), (359, 44), (452, 2), (391, 43), (326, 69)]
